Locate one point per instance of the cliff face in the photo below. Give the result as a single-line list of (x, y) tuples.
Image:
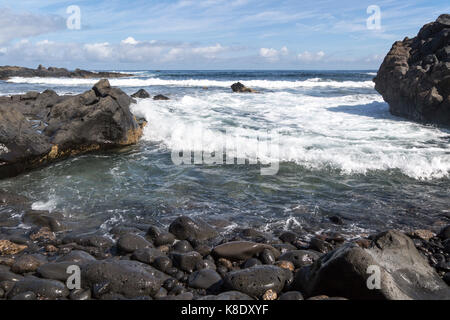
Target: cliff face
[(415, 75)]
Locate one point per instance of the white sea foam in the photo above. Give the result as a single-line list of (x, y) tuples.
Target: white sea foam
[(354, 133), (135, 82), (49, 205)]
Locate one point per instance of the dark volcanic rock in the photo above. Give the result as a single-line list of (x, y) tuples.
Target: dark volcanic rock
[(54, 271), (128, 278), (147, 255), (44, 219), (42, 288), (7, 72), (291, 295), (257, 280), (229, 295), (160, 97), (300, 258), (344, 272), (185, 228), (205, 279), (186, 260), (141, 94), (59, 127), (131, 242), (239, 87), (242, 250), (415, 75)]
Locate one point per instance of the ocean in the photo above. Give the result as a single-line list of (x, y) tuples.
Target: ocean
[(339, 153)]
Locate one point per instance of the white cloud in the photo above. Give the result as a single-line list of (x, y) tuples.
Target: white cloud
[(23, 25), (272, 54), (98, 51), (130, 41), (311, 57)]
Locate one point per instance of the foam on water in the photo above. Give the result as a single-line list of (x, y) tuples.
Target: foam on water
[(136, 82), (350, 133)]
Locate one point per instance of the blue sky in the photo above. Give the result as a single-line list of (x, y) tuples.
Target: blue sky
[(208, 34)]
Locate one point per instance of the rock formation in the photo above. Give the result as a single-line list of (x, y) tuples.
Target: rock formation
[(37, 128), (415, 75)]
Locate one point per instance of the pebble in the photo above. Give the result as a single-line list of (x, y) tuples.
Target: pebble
[(270, 295), (205, 279), (292, 295), (186, 261), (129, 243), (9, 248)]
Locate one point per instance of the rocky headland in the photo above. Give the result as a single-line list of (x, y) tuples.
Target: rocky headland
[(7, 72), (415, 75)]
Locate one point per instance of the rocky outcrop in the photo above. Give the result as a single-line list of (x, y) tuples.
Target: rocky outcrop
[(38, 128), (141, 94), (240, 88), (7, 72), (415, 75), (160, 97), (345, 272)]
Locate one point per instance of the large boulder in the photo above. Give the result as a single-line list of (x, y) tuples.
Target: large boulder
[(415, 75), (129, 278), (186, 228), (240, 88), (345, 272), (58, 127)]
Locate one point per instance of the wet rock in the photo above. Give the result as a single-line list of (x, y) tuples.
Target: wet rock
[(251, 263), (89, 240), (292, 295), (9, 248), (446, 278), (344, 272), (205, 264), (9, 276), (186, 261), (205, 279), (141, 94), (80, 294), (320, 245), (160, 97), (42, 288), (129, 243), (182, 246), (44, 219), (185, 228), (147, 255), (160, 237), (128, 278), (444, 234), (28, 263), (76, 257), (15, 200), (228, 296), (119, 231), (300, 258), (288, 237), (267, 257), (336, 220), (43, 235), (163, 263), (240, 88), (54, 271), (242, 250), (257, 280), (25, 296)]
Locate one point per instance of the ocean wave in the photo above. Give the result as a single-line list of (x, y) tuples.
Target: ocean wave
[(354, 134), (136, 82)]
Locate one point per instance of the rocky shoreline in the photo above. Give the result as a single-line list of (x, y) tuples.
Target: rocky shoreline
[(7, 72), (194, 260)]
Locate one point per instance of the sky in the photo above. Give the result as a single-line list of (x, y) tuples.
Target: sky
[(208, 34)]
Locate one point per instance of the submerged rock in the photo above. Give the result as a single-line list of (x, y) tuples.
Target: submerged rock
[(415, 75), (344, 272)]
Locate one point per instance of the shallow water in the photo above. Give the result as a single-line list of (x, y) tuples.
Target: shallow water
[(340, 152)]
